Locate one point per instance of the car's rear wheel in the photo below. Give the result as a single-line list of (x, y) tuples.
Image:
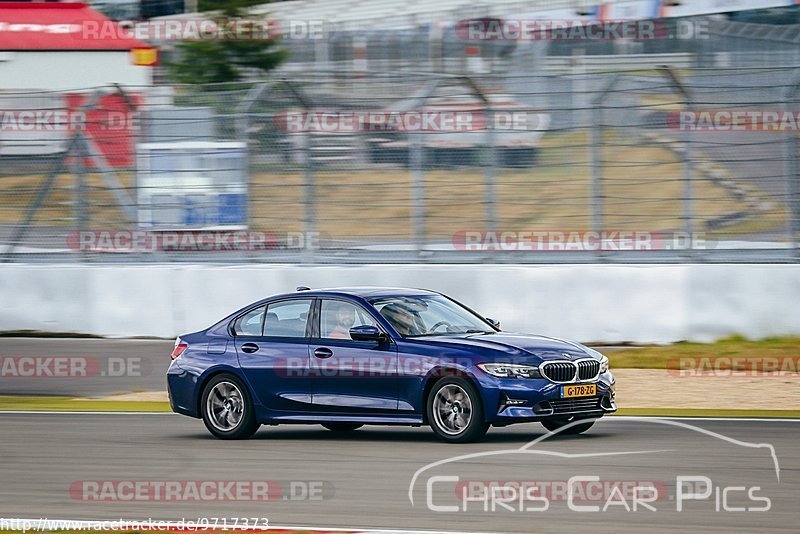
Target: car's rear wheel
[(342, 427), (577, 428), (455, 412), (227, 409)]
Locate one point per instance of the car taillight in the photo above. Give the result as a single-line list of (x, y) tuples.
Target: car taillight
[(180, 346)]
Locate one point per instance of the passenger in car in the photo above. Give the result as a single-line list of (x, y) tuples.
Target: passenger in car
[(345, 316)]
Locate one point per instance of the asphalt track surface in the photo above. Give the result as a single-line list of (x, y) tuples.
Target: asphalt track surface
[(362, 479)]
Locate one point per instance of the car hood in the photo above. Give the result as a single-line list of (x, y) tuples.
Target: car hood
[(518, 345)]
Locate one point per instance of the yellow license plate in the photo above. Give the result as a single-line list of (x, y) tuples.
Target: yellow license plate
[(579, 390)]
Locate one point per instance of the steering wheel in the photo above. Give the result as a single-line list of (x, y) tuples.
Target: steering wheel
[(440, 323)]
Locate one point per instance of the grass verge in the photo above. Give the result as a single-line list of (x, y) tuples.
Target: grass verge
[(69, 404), (668, 357)]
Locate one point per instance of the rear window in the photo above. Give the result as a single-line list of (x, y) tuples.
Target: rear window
[(250, 323), (287, 318)]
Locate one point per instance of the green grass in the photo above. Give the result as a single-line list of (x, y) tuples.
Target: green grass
[(68, 404), (664, 357)]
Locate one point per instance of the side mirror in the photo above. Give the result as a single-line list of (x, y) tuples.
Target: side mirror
[(494, 322), (367, 333)]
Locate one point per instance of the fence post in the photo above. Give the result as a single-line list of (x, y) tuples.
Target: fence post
[(793, 174), (792, 177), (41, 195), (688, 182), (417, 163), (596, 142), (688, 178), (490, 171), (309, 182), (80, 208), (597, 169), (242, 114), (309, 196)]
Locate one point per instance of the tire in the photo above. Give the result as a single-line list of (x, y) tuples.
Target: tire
[(227, 409), (554, 424), (342, 427), (455, 411)]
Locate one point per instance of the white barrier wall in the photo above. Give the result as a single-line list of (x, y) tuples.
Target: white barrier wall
[(600, 303)]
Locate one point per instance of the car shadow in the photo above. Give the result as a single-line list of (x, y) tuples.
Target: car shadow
[(383, 434)]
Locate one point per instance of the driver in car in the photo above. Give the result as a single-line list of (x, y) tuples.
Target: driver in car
[(400, 318)]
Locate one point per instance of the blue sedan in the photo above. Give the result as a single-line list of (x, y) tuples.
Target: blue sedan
[(348, 357)]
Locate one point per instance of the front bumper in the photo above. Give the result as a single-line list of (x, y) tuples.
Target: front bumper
[(513, 400)]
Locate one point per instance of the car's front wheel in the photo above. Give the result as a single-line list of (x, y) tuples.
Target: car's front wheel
[(226, 408), (455, 412), (577, 428)]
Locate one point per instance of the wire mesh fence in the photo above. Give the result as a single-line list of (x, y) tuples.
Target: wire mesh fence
[(654, 164)]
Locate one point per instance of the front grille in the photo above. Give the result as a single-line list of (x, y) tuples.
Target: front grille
[(588, 369), (558, 371), (562, 406)]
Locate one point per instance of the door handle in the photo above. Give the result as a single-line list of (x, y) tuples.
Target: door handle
[(323, 353), (249, 347)]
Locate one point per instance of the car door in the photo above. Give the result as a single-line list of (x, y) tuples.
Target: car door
[(272, 346), (347, 376)]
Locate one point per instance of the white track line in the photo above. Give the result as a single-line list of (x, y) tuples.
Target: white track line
[(693, 418)]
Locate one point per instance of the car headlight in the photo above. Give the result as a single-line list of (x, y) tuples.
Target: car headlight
[(510, 370), (604, 364)]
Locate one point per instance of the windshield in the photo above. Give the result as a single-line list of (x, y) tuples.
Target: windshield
[(428, 315)]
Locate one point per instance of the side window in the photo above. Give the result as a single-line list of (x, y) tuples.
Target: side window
[(337, 317), (287, 318), (250, 323)]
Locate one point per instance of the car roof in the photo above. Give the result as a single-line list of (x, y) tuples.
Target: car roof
[(365, 292)]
